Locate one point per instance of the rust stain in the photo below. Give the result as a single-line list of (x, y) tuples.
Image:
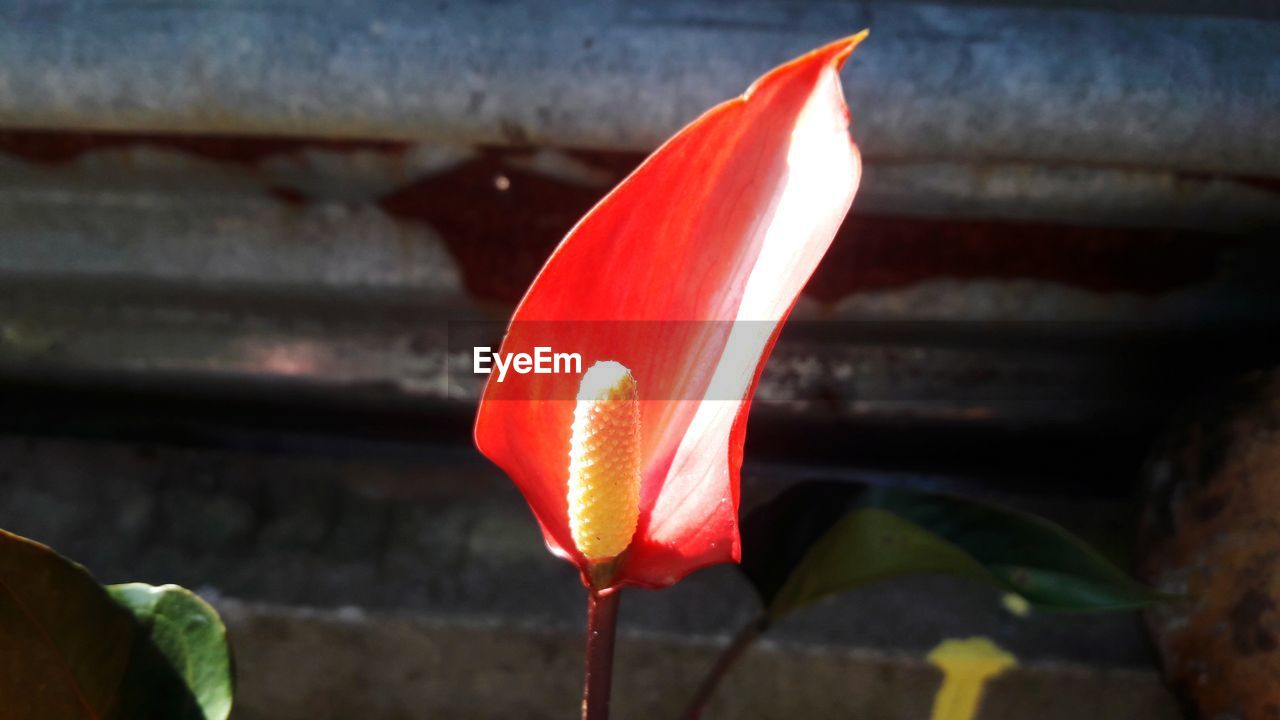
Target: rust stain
[(292, 197), (1209, 532), (501, 237), (54, 148), (886, 252), (1261, 182), (1209, 508), (1269, 184), (501, 222), (1249, 634)]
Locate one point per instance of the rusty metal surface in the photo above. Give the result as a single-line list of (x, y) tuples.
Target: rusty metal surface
[(1194, 90), (336, 266), (278, 212), (298, 171), (1211, 536)]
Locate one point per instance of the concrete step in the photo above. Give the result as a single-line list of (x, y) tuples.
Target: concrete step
[(336, 665), (416, 585)]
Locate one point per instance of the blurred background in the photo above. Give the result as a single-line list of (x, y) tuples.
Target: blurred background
[(233, 237)]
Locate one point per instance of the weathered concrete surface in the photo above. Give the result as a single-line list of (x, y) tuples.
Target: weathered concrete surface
[(475, 224), (146, 216), (1188, 91), (1210, 536), (443, 534), (337, 267), (159, 173), (335, 665), (391, 584), (405, 352)]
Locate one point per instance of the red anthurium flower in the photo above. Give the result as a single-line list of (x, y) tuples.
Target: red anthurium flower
[(683, 274)]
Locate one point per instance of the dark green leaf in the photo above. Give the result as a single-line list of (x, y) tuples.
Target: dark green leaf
[(191, 637), (777, 535), (866, 546), (820, 539), (69, 651)]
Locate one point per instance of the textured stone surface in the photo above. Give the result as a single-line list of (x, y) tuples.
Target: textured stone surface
[(402, 585), (345, 664), (445, 535), (1193, 90), (1211, 536)]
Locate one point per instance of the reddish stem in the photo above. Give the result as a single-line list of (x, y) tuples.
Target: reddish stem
[(602, 620), (739, 645)]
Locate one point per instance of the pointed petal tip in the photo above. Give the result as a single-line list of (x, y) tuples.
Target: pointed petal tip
[(841, 49), (833, 54)]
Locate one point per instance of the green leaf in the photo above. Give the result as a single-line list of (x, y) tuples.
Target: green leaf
[(866, 546), (69, 651), (820, 539), (190, 636)]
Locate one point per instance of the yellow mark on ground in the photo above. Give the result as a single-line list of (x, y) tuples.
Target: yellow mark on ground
[(966, 667)]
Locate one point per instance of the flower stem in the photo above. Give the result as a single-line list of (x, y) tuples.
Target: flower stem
[(602, 620), (741, 642)]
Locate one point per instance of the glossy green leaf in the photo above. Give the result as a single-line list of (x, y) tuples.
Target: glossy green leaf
[(820, 539), (69, 651), (190, 635), (866, 546)]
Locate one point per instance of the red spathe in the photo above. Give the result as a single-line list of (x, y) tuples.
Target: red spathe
[(723, 224)]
